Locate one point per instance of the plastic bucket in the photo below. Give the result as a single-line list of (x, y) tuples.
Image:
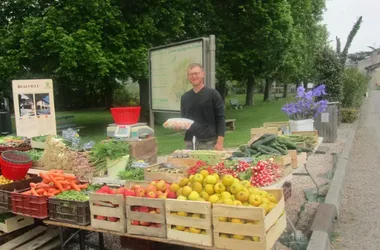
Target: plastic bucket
[(116, 166), (301, 125)]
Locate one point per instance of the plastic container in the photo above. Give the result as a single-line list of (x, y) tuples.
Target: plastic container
[(75, 212), (116, 166), (126, 115), (30, 205), (19, 186), (15, 164)]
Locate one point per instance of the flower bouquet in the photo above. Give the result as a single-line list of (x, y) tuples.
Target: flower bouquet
[(306, 107)]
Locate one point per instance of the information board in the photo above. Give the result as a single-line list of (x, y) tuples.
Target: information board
[(34, 107), (168, 72)]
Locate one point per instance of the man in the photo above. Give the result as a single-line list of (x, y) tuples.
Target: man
[(206, 108)]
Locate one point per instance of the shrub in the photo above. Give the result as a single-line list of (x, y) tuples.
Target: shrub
[(349, 115), (354, 88)]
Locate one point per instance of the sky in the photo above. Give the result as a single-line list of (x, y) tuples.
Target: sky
[(341, 15)]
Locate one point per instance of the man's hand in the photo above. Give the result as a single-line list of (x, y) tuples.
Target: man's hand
[(219, 143)]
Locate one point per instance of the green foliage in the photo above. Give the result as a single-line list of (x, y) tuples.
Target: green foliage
[(329, 72), (349, 115), (354, 88), (112, 149), (124, 97), (350, 38)]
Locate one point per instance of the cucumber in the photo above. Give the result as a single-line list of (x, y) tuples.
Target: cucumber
[(263, 151), (244, 149), (288, 144), (302, 149), (239, 154), (267, 140), (280, 149), (253, 151), (270, 149)]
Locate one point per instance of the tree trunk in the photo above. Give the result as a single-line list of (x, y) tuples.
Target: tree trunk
[(268, 89), (108, 92), (285, 93), (221, 88), (144, 99), (250, 88), (298, 83), (305, 84)]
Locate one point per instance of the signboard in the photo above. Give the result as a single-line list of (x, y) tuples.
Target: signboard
[(168, 72), (34, 107)]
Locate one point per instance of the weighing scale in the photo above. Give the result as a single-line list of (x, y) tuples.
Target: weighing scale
[(130, 132)]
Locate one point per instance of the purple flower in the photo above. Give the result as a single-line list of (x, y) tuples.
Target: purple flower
[(305, 107)]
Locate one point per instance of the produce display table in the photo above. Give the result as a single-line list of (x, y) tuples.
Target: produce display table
[(101, 231)]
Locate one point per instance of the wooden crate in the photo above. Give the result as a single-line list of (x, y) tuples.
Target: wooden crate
[(306, 133), (256, 133), (108, 205), (15, 223), (157, 205), (151, 174), (285, 160), (183, 163), (276, 124), (190, 207), (209, 156), (268, 228), (298, 160)]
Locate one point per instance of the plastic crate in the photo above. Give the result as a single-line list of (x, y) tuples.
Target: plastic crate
[(18, 186), (75, 212), (30, 205)]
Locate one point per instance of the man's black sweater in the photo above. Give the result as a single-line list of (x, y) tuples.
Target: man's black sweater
[(206, 109)]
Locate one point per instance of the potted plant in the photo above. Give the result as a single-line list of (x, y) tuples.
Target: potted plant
[(307, 106), (111, 156)]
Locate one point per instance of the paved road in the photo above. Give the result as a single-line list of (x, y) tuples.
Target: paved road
[(358, 227)]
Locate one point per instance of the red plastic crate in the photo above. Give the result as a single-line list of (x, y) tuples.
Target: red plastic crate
[(30, 205), (126, 115)]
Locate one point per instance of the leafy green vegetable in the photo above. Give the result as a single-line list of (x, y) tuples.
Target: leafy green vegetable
[(35, 154), (5, 216), (41, 138), (132, 174), (72, 195)]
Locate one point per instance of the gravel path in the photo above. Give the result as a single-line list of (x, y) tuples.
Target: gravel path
[(359, 224)]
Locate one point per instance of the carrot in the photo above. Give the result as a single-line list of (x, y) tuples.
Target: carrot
[(42, 185), (34, 192), (40, 191), (32, 184), (75, 186), (64, 183), (59, 178), (45, 177), (68, 187), (56, 192), (70, 177), (56, 183), (45, 193), (27, 192), (50, 195), (51, 190), (83, 186)]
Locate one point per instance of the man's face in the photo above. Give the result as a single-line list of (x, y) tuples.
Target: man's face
[(195, 76)]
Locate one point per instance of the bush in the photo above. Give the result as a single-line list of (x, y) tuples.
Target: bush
[(354, 88), (124, 96), (349, 115)]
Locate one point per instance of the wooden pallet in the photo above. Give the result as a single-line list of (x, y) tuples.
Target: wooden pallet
[(39, 238)]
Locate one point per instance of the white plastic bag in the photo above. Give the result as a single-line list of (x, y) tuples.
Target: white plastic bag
[(178, 123)]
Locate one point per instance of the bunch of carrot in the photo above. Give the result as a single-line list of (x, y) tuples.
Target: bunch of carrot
[(53, 183)]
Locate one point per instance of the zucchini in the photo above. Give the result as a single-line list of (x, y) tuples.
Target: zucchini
[(253, 151), (239, 154), (302, 149), (280, 149), (244, 149), (263, 151)]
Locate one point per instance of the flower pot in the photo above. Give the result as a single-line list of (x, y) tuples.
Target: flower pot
[(116, 166), (301, 125)]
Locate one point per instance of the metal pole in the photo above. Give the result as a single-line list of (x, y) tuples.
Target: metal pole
[(212, 60)]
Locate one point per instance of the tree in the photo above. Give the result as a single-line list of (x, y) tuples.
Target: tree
[(350, 38), (330, 73)]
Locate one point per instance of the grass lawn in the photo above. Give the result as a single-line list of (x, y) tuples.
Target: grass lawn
[(96, 121)]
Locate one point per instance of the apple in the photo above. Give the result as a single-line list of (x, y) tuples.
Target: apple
[(120, 190), (151, 194), (134, 187), (153, 183), (140, 192), (146, 224), (172, 195), (144, 209), (129, 192), (105, 189), (153, 225), (158, 211), (101, 217), (113, 219), (151, 188), (162, 196), (161, 185), (112, 191), (167, 186), (135, 222), (158, 225), (159, 193), (153, 211), (135, 208)]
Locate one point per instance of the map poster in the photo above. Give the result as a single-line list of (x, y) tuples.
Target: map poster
[(34, 107), (168, 73)]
